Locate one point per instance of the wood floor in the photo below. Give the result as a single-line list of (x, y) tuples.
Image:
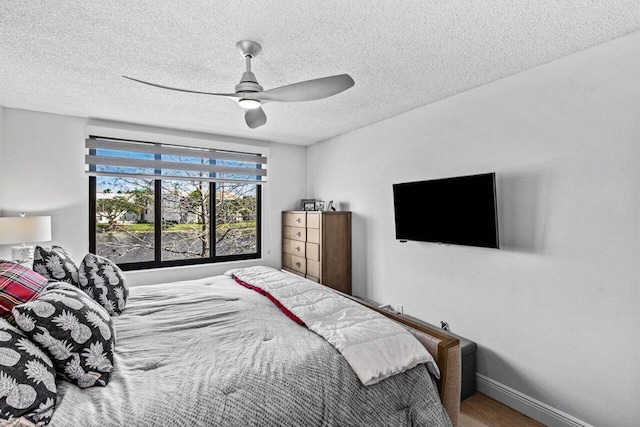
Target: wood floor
[(480, 410)]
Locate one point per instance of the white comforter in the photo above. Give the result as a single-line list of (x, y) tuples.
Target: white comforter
[(373, 345)]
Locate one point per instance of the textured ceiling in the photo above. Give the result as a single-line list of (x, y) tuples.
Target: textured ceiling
[(68, 57)]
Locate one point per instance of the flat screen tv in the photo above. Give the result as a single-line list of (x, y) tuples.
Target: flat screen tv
[(458, 211)]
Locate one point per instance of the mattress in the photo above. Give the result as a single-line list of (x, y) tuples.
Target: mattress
[(210, 352)]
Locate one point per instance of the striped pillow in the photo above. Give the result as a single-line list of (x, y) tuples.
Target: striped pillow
[(18, 284)]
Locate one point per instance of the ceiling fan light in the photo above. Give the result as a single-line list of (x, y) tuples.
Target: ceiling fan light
[(249, 104)]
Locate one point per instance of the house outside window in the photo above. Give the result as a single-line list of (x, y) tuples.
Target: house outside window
[(154, 205)]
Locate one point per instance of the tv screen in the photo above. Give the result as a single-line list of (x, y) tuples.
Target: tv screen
[(458, 211)]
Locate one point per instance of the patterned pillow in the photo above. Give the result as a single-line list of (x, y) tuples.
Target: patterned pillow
[(56, 263), (74, 330), (27, 380), (103, 281), (18, 284)]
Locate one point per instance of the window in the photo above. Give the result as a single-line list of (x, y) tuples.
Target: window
[(156, 205)]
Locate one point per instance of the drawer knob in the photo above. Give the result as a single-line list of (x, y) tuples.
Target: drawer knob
[(298, 234), (298, 220), (298, 248), (298, 264)]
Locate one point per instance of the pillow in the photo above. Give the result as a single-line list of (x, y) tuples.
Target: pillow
[(18, 284), (55, 263), (103, 281), (27, 380), (74, 330)]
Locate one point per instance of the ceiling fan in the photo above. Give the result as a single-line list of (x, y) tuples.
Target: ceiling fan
[(251, 96)]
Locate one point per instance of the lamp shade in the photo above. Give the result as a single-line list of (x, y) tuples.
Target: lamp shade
[(25, 229)]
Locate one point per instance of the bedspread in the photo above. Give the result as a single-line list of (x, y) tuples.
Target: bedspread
[(212, 353), (375, 346)]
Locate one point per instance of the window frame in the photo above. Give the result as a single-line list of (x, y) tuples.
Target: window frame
[(157, 262)]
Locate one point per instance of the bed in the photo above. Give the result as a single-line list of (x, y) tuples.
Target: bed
[(214, 352)]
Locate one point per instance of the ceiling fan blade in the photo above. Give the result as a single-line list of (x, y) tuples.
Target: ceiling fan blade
[(308, 90), (255, 117), (230, 95)]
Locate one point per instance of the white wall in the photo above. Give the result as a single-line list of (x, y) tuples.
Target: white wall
[(42, 173), (555, 312), (1, 156)]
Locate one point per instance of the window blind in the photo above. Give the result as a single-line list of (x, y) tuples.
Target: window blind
[(141, 159)]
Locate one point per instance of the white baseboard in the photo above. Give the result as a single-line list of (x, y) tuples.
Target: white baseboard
[(529, 406)]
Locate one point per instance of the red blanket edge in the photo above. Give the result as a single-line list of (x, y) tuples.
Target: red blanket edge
[(278, 304)]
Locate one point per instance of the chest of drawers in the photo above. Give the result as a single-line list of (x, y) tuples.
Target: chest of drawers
[(317, 245)]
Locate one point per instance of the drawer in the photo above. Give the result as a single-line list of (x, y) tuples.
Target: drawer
[(294, 263), (294, 247), (294, 219), (313, 268), (313, 279), (313, 220), (313, 235), (294, 233), (313, 251)]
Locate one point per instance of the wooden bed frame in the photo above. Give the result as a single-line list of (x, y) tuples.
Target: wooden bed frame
[(445, 349)]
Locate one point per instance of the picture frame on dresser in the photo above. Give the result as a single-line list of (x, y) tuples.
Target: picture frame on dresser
[(306, 203)]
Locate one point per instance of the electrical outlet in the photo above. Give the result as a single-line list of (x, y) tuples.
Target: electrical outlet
[(444, 325), (399, 308)]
